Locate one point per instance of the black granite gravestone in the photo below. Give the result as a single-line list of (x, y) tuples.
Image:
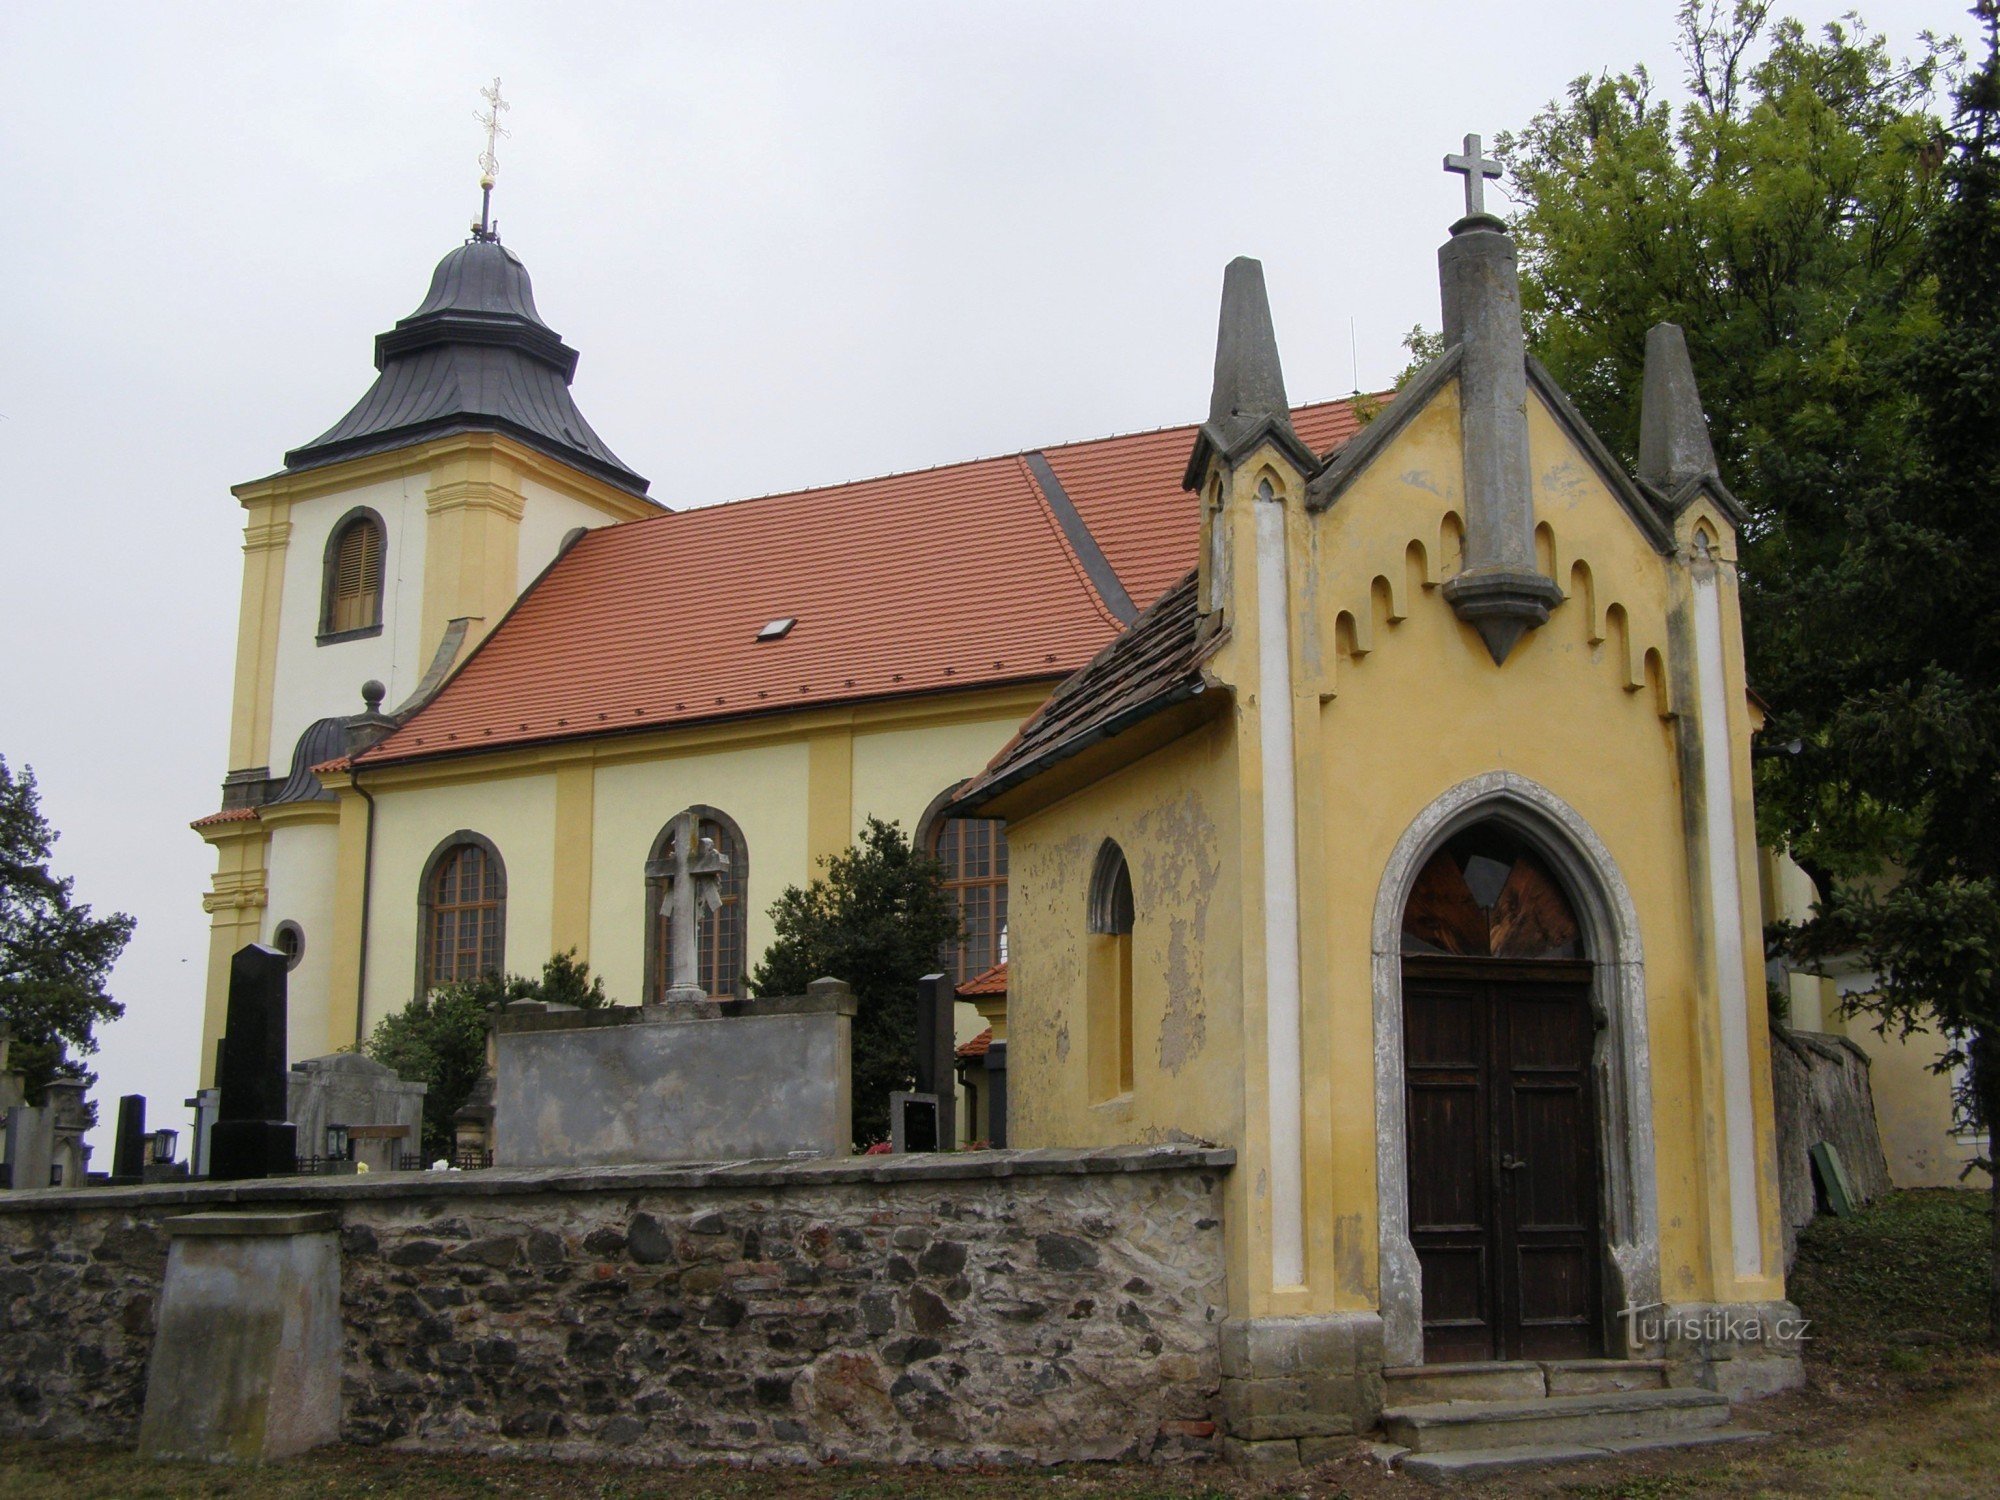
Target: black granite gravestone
[(251, 1137), (937, 1046), (128, 1148), (996, 1096)]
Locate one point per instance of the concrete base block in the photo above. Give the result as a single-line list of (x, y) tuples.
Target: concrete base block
[(1752, 1379), (246, 1361), (1743, 1350), (1301, 1378)]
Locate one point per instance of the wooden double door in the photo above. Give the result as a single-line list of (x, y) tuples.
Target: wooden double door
[(1503, 1169)]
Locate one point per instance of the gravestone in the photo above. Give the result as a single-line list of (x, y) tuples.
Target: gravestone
[(913, 1122), (996, 1097), (128, 1149), (383, 1114), (252, 1137), (937, 1047)]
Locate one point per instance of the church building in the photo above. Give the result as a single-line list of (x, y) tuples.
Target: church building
[(1370, 797)]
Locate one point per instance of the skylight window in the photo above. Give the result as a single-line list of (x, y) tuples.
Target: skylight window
[(777, 630)]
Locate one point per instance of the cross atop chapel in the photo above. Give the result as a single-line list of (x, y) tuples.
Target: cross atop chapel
[(489, 162), (1475, 169)]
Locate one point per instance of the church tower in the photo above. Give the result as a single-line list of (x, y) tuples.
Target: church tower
[(374, 562)]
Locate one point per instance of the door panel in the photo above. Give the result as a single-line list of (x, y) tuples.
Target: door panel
[(1502, 1162)]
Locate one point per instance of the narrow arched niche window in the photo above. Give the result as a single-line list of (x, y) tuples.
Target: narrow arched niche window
[(351, 597), (463, 911), (1109, 999), (721, 933), (973, 852)]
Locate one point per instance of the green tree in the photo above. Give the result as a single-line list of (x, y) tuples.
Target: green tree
[(1905, 719), (878, 918), (55, 957), (440, 1038), (1830, 249), (1778, 216)]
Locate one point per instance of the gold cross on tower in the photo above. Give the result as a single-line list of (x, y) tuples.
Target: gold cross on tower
[(489, 163), (1475, 169)]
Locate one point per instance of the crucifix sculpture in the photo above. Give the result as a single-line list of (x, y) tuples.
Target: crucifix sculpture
[(1475, 169), (693, 871)]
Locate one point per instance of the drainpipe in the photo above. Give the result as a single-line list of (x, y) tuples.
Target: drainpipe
[(367, 896)]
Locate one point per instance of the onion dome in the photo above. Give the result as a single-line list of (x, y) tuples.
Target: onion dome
[(474, 357)]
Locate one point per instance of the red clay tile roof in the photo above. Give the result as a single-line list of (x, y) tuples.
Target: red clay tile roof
[(227, 815), (940, 580), (1117, 484), (979, 1045), (993, 981)]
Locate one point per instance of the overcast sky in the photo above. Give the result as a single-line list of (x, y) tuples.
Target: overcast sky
[(795, 244)]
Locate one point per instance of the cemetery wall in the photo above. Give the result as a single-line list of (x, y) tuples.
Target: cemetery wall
[(1019, 1306)]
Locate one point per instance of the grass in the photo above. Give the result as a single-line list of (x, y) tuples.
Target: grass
[(1903, 1400)]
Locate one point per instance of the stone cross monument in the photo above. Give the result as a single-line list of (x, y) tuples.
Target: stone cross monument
[(693, 871), (1500, 590)]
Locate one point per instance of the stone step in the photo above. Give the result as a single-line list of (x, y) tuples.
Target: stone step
[(1483, 1380), (1590, 1377), (1478, 1463), (1519, 1379), (1552, 1421)]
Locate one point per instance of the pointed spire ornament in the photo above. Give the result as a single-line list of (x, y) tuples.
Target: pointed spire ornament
[(1674, 446), (1247, 402)]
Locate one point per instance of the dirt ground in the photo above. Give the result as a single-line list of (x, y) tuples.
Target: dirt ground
[(1903, 1399)]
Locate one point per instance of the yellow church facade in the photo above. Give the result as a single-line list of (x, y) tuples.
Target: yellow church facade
[(1243, 838), (1371, 799), (481, 671)]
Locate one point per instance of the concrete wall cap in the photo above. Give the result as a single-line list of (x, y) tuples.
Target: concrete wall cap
[(298, 1194)]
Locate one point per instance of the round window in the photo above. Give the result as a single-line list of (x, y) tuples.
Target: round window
[(290, 940)]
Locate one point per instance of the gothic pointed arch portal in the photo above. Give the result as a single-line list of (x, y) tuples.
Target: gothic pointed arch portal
[(1513, 1100)]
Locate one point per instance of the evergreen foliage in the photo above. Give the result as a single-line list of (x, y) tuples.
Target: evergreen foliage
[(440, 1038), (878, 919), (55, 957)]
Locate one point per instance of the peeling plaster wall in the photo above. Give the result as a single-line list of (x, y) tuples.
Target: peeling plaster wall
[(1174, 816)]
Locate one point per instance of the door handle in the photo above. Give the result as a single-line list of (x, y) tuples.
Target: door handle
[(1511, 1163)]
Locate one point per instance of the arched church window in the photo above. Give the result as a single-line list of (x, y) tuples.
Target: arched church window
[(464, 912), (1486, 894), (973, 852), (352, 597), (721, 941), (1109, 1000)]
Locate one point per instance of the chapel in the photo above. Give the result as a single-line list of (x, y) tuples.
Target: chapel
[(1363, 786)]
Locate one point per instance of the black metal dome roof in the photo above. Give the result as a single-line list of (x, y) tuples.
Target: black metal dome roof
[(474, 357)]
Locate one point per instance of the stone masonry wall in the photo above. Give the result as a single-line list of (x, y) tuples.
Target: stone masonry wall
[(1820, 1092), (986, 1307)]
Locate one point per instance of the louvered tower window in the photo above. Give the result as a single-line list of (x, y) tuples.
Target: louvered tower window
[(353, 576)]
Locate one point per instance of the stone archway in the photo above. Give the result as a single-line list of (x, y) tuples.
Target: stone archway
[(1620, 1064)]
